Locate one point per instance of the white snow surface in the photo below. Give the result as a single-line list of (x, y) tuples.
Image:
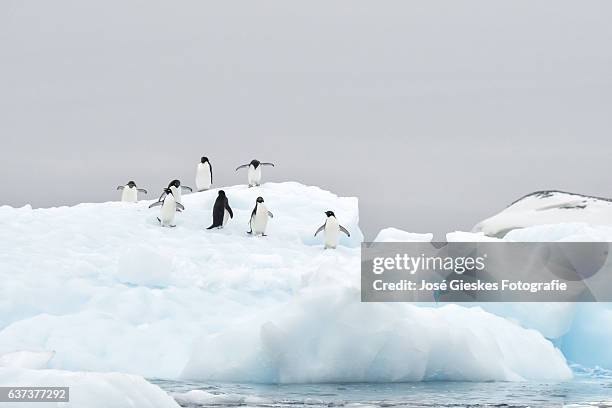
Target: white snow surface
[(26, 359), (397, 235), (110, 290), (548, 207), (88, 389)]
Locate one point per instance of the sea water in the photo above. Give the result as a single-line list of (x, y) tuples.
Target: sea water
[(590, 389)]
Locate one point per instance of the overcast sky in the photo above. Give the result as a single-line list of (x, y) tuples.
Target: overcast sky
[(436, 114)]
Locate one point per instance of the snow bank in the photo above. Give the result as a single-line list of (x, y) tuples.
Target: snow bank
[(89, 390), (548, 207)]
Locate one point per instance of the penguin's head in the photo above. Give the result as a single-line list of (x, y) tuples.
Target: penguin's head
[(175, 183), (221, 193), (168, 191), (330, 213), (204, 159), (255, 163), (260, 200), (131, 184)]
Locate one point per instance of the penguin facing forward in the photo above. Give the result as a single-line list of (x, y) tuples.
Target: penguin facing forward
[(331, 229), (129, 192), (221, 211), (169, 207), (177, 190), (204, 174), (254, 173), (259, 218)]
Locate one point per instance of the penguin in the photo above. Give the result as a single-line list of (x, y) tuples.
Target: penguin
[(254, 173), (259, 218), (177, 189), (221, 211), (169, 207), (332, 230), (129, 193), (204, 174)]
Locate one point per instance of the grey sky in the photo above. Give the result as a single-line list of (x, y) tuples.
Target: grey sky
[(436, 114)]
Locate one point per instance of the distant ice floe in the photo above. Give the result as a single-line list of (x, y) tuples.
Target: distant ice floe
[(397, 235), (548, 207)]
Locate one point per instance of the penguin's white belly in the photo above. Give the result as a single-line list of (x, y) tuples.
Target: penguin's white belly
[(226, 217), (260, 220), (254, 176), (332, 234), (177, 193), (203, 180), (168, 211), (129, 195)]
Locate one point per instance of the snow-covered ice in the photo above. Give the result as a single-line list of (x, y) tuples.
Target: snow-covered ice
[(108, 289), (26, 359), (548, 207), (397, 235)]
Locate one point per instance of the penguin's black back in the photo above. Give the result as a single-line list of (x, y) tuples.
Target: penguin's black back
[(218, 211)]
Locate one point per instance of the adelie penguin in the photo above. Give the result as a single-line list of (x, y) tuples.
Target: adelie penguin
[(129, 192), (221, 211), (259, 218), (177, 189), (169, 207), (204, 174), (331, 229), (254, 173)]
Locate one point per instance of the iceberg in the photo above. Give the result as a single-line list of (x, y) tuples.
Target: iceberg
[(109, 290)]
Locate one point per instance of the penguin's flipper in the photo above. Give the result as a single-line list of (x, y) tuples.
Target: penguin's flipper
[(185, 188), (266, 164), (120, 187), (161, 197), (270, 214), (321, 228), (229, 210), (158, 219), (180, 206), (243, 166), (142, 190), (344, 230), (156, 204)]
